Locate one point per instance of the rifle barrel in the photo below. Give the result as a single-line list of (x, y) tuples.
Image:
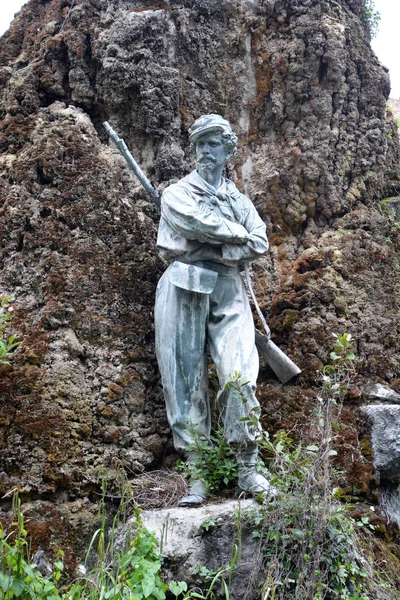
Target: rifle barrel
[(122, 147)]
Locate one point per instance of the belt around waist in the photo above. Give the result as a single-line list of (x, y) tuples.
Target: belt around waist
[(222, 270)]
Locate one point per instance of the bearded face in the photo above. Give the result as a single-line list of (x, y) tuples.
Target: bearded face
[(211, 152)]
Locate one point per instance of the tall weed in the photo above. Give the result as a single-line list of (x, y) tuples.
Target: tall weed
[(311, 549)]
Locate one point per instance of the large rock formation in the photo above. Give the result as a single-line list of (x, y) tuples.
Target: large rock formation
[(318, 153)]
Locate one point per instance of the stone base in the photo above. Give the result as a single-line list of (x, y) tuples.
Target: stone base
[(207, 536)]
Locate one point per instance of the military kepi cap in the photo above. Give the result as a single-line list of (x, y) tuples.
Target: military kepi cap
[(207, 124)]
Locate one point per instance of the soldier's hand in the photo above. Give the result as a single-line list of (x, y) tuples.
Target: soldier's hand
[(240, 239)]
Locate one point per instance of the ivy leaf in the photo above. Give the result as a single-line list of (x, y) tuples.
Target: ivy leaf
[(18, 586), (177, 587), (147, 586), (5, 582)]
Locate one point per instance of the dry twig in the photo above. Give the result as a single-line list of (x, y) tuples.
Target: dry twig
[(158, 489)]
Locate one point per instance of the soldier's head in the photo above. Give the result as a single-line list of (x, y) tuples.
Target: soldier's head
[(213, 140)]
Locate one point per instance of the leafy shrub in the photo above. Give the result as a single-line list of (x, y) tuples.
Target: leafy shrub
[(19, 578), (216, 464), (131, 573), (311, 549), (7, 343), (371, 17), (118, 575)]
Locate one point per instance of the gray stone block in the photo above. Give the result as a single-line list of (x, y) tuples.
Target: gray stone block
[(186, 544), (385, 435)]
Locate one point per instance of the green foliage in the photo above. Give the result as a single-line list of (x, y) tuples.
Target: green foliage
[(397, 121), (342, 350), (336, 376), (133, 572), (204, 573), (127, 574), (177, 587), (311, 545), (309, 542), (7, 343), (371, 17), (130, 573), (208, 524), (212, 578), (216, 464), (209, 593), (19, 578)]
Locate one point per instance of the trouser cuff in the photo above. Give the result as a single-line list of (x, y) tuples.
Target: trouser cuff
[(247, 456)]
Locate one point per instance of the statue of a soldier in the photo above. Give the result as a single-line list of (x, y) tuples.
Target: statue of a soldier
[(208, 230)]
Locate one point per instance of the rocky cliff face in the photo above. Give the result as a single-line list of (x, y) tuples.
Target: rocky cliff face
[(318, 153)]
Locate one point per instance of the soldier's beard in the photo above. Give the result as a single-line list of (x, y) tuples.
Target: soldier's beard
[(205, 164)]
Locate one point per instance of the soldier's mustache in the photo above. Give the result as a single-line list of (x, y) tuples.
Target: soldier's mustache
[(206, 160)]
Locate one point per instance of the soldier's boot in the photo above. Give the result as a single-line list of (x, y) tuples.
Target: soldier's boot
[(195, 496), (249, 479), (197, 492)]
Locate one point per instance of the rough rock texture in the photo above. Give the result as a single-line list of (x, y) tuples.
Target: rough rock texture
[(318, 153), (82, 268), (382, 394), (208, 536), (386, 439)]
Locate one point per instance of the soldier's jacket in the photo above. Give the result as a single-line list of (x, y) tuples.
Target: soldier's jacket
[(199, 223)]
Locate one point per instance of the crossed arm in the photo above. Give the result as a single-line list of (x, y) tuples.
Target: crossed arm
[(198, 221)]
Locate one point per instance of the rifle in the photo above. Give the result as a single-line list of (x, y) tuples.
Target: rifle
[(123, 148), (283, 367)]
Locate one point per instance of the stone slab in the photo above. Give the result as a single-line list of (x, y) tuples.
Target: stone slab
[(385, 435)]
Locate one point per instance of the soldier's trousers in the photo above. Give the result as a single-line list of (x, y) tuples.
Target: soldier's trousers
[(185, 323)]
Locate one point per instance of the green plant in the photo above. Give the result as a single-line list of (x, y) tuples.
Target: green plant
[(371, 17), (215, 464), (7, 343), (212, 578), (204, 573), (19, 577), (397, 121), (177, 587), (132, 572), (311, 545), (126, 574), (365, 522), (222, 575), (393, 225), (336, 376), (208, 524)]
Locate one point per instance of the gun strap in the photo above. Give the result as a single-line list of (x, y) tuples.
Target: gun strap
[(253, 297)]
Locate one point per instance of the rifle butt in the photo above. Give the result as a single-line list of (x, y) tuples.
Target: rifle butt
[(283, 367)]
